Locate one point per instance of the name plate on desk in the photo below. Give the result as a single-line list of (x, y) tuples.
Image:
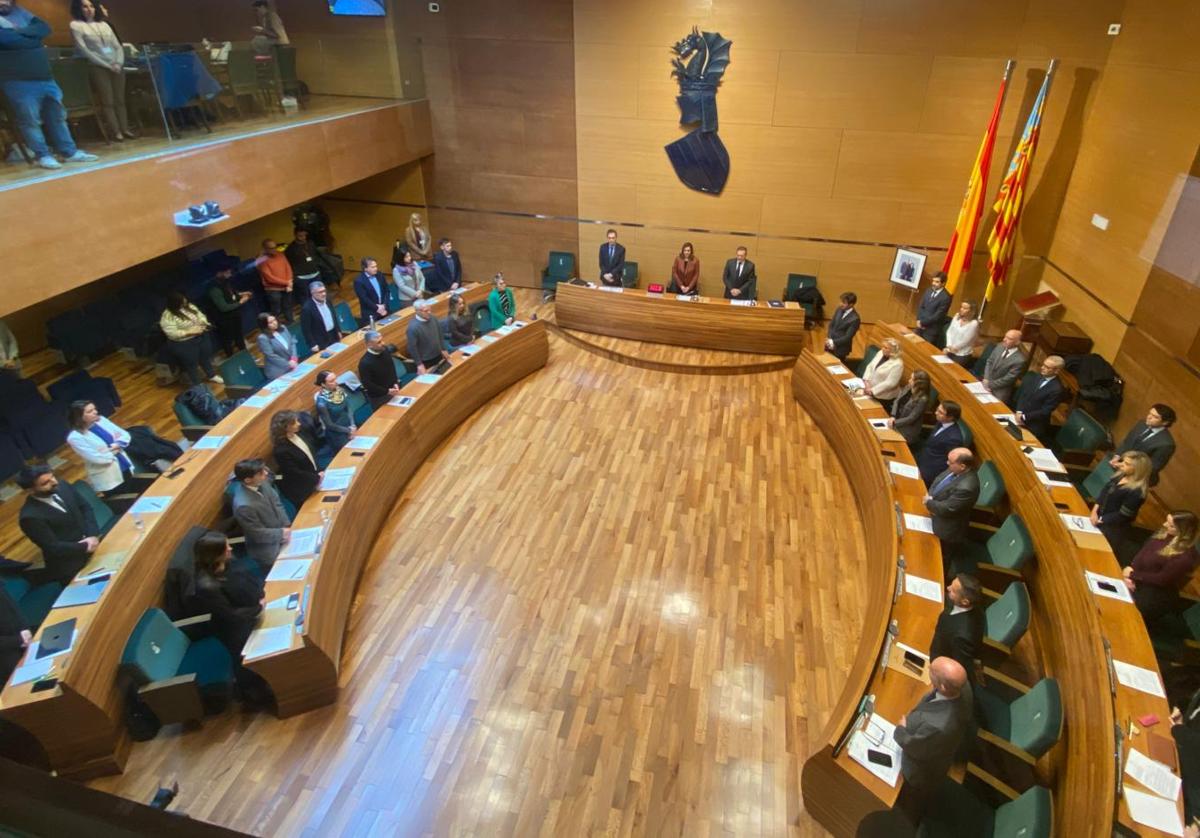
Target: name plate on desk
[(208, 442), (612, 289), (742, 303)]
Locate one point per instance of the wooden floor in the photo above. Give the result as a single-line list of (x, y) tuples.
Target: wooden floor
[(617, 600)]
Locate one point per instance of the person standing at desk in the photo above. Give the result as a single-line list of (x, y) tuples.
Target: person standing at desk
[(228, 305), (269, 27), (943, 439), (1004, 366), (962, 335), (741, 282), (1119, 500), (277, 345), (409, 279), (843, 327), (932, 310), (685, 272), (96, 41), (908, 410), (317, 320), (371, 290), (959, 630), (302, 255), (952, 496), (1036, 403), (460, 326), (502, 306), (881, 379), (425, 339), (234, 600), (295, 454), (59, 522), (276, 274), (612, 261), (101, 444), (333, 408), (447, 269), (1151, 436), (1163, 566), (377, 370), (258, 510)]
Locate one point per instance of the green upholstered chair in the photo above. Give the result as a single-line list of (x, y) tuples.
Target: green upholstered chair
[(1007, 619), (559, 268), (105, 517), (345, 318), (981, 362), (629, 278), (1017, 724), (178, 679), (1094, 482), (359, 406), (868, 354), (193, 426), (795, 284), (956, 811), (1080, 437), (71, 74), (967, 436), (1179, 640), (991, 488), (393, 298), (483, 320), (999, 559), (34, 601), (303, 350), (243, 376)]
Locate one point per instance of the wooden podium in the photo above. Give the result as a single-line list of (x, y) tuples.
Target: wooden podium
[(1033, 314)]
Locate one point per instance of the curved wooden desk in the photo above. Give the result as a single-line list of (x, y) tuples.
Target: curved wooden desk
[(1072, 626), (304, 675), (78, 722), (707, 323), (838, 791)]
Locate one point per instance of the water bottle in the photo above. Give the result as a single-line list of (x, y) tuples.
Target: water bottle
[(139, 524)]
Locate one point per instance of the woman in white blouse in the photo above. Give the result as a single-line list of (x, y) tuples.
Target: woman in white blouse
[(96, 41), (883, 375), (101, 445), (962, 334)]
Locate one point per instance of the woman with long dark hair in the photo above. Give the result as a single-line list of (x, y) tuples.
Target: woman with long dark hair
[(296, 456), (685, 272), (186, 329)]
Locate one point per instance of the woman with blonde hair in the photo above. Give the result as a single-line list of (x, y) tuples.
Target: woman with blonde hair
[(961, 335), (1118, 503), (883, 375), (1164, 565), (420, 243)]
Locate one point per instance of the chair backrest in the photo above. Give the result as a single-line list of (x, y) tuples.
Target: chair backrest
[(16, 585), (243, 77), (1094, 482), (561, 265), (242, 371), (1081, 433), (155, 648), (359, 407), (483, 320), (968, 438), (11, 458), (1008, 617), (104, 515), (303, 350), (797, 281), (868, 355), (393, 298), (1029, 816), (991, 486), (630, 277), (1035, 719), (72, 76), (1010, 546), (345, 318), (179, 585), (186, 415)]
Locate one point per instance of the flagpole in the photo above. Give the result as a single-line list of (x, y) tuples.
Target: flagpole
[(1008, 71), (1047, 82)]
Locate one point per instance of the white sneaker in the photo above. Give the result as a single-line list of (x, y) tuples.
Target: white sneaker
[(81, 156), (48, 162)]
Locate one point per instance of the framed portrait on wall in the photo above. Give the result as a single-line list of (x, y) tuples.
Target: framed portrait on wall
[(908, 267)]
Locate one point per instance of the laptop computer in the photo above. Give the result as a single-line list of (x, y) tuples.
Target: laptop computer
[(56, 638)]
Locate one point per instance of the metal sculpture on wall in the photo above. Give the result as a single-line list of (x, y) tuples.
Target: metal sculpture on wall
[(700, 158)]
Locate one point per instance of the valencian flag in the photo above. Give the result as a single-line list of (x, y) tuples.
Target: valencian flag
[(1011, 198), (958, 255)]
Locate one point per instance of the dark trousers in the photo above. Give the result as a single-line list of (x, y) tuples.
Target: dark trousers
[(229, 332), (279, 303), (191, 356)]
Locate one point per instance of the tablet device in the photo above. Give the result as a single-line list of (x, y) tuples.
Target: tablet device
[(56, 638)]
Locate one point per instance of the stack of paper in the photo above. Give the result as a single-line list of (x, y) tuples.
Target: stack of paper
[(1044, 459), (878, 736), (267, 641), (362, 443), (837, 369), (943, 359), (146, 505), (852, 383), (977, 388), (289, 570), (1139, 678), (904, 470), (1154, 812), (918, 523), (337, 479), (303, 542)]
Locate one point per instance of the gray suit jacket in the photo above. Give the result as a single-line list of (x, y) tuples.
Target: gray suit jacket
[(275, 358), (1002, 373), (931, 736), (951, 506), (263, 519)]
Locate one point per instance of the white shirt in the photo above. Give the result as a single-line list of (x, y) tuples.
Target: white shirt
[(326, 315), (961, 336)]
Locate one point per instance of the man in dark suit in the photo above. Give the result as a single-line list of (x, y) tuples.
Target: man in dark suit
[(1004, 366), (447, 269), (1151, 436), (931, 735), (943, 439), (371, 290), (951, 497), (959, 630), (258, 510), (612, 260), (59, 522), (843, 327), (933, 310), (317, 320), (14, 634), (741, 282), (377, 371), (1036, 402)]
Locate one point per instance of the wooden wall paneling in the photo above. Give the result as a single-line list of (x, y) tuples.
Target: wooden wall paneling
[(1105, 327), (1071, 29), (606, 79), (673, 204), (1159, 33), (905, 165), (793, 163), (884, 92), (848, 219), (517, 246), (920, 27)]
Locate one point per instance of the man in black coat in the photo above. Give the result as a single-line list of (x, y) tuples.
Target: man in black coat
[(741, 282), (843, 327), (317, 319), (447, 269), (952, 496), (59, 522), (943, 439), (1036, 401), (377, 371), (612, 261), (1151, 436), (933, 310), (14, 634), (959, 630)]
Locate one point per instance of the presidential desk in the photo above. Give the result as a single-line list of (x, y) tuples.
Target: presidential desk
[(79, 720), (839, 787), (301, 666), (1079, 634), (698, 322)]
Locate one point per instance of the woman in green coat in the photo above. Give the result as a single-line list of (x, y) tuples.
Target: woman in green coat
[(501, 303)]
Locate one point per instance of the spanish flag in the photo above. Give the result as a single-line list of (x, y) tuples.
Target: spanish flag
[(958, 255), (1011, 198)]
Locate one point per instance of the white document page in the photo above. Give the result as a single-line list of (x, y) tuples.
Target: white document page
[(1153, 775), (1154, 812), (289, 570), (304, 542), (337, 479), (1139, 678), (904, 470), (922, 587), (919, 523), (1108, 586)]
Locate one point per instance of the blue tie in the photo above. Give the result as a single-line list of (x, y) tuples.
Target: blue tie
[(941, 484)]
